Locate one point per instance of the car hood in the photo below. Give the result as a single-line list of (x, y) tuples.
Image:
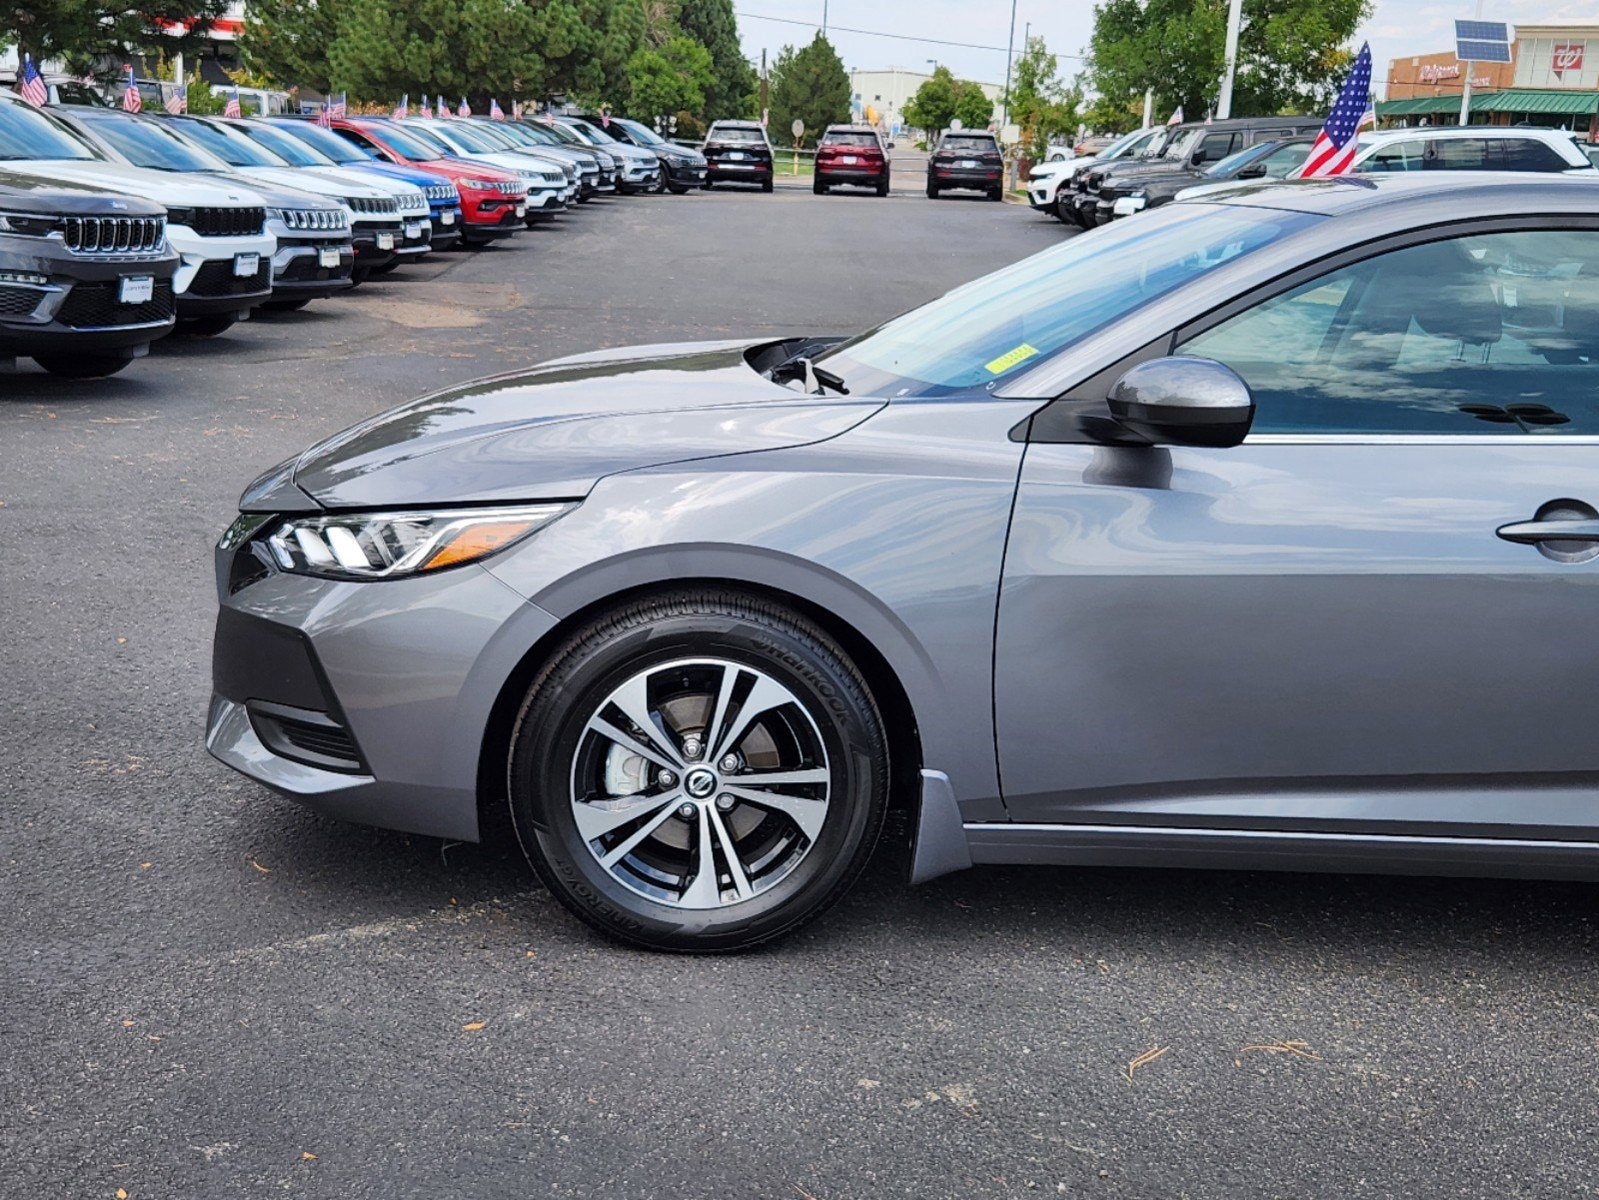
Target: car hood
[(337, 182), (46, 194), (164, 187), (1127, 168), (556, 430), (1157, 179)]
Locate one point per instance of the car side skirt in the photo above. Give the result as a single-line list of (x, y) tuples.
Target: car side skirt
[(1240, 849)]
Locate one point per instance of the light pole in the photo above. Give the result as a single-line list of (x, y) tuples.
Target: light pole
[(1224, 103), (1010, 52), (934, 62)]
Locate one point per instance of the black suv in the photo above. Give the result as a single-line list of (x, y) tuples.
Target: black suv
[(966, 158), (681, 167), (1190, 147), (1275, 159), (85, 278), (738, 152)]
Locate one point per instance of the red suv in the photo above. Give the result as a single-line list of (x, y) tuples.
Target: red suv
[(852, 154), (493, 202)]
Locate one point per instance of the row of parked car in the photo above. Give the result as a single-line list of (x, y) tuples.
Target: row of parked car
[(1151, 167), (117, 228)]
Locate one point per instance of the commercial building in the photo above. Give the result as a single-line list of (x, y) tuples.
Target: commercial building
[(880, 96), (1551, 81)]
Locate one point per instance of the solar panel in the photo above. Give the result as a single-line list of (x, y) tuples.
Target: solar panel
[(1483, 52), (1482, 31)]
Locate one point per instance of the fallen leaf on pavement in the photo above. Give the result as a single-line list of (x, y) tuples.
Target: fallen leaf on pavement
[(1144, 1059), (474, 1026), (1300, 1049)]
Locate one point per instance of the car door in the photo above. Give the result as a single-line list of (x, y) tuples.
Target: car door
[(1375, 613)]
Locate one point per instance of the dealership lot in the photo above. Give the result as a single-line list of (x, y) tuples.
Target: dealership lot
[(208, 991)]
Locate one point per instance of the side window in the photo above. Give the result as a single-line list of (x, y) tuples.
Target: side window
[(1396, 156), (1488, 334), (1282, 163), (1456, 154), (1525, 154), (360, 143), (1217, 146)]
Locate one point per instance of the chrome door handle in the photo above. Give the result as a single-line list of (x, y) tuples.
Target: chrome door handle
[(1530, 533)]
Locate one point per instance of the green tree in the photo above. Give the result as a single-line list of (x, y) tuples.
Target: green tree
[(972, 107), (713, 25), (1041, 105), (932, 108), (809, 84), (472, 48), (289, 41), (1291, 53), (88, 34), (669, 80)]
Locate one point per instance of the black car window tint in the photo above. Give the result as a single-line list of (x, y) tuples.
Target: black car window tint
[(1396, 156), (1527, 154), (1492, 334), (968, 144)]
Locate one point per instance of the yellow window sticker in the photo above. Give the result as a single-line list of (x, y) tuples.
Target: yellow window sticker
[(1009, 359)]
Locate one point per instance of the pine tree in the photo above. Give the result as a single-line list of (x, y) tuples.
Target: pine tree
[(87, 34), (713, 25), (809, 84)]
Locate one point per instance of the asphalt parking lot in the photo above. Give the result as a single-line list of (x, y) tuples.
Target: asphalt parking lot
[(206, 991)]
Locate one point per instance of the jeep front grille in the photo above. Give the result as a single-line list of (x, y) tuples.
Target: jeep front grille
[(113, 235)]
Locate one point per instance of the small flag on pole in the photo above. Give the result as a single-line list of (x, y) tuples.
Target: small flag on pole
[(233, 108), (1334, 148), (1177, 116), (32, 85), (403, 108), (443, 109), (130, 93), (426, 111), (465, 110), (325, 117), (496, 113), (178, 102), (339, 107)]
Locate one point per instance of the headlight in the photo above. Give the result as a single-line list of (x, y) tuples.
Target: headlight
[(479, 185), (26, 223), (389, 545)]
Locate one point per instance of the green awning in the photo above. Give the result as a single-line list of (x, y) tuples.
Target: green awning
[(1515, 101)]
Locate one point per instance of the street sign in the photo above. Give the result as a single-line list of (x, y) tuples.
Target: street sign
[(1482, 41), (798, 127)]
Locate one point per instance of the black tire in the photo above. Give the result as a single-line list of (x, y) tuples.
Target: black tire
[(996, 193), (818, 187), (82, 366), (766, 185), (677, 189), (760, 637), (932, 191), (706, 185), (209, 326), (882, 188), (386, 267), (286, 305), (1065, 211)]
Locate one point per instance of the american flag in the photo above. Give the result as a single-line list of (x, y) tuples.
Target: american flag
[(32, 85), (338, 106), (427, 109), (443, 109), (403, 108), (465, 110), (496, 113), (130, 93), (178, 102), (1177, 116), (325, 117), (1334, 148), (233, 108)]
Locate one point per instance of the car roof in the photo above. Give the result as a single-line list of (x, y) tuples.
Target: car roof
[(738, 124), (1253, 123), (1457, 195), (1435, 132), (849, 129)]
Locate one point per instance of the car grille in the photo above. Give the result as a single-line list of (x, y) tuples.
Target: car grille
[(315, 219), (95, 306), (507, 188), (370, 206), (113, 235), (227, 222), (414, 205), (218, 279), (443, 193), (19, 301)]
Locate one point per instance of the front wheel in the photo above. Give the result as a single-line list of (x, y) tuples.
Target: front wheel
[(83, 366), (677, 189), (699, 771), (286, 305), (209, 326)]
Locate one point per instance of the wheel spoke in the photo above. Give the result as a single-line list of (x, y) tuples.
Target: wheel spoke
[(807, 814), (594, 821), (735, 867), (704, 892), (625, 847), (781, 778), (627, 741), (633, 699), (766, 695), (724, 695)]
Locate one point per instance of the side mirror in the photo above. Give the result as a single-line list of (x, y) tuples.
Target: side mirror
[(1200, 157), (1253, 171), (891, 145), (1183, 401)]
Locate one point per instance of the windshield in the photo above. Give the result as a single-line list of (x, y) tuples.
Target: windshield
[(494, 135), (969, 143), (1225, 168), (643, 133), (1182, 142), (562, 134), (323, 140), (234, 149), (594, 134), (417, 146), (467, 140), (294, 152), (1010, 321), (25, 132), (147, 144)]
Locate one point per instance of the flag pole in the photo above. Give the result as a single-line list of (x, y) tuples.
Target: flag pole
[(1235, 17)]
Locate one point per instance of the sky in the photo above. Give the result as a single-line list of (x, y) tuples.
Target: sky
[(1396, 28)]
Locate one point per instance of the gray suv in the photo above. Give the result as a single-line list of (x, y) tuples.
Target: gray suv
[(1254, 533)]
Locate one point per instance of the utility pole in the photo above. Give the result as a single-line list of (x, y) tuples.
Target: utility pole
[(1010, 52), (824, 18), (1235, 16), (1149, 107), (1465, 92), (764, 108)]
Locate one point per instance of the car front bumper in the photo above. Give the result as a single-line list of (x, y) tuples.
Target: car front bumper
[(77, 305), (299, 269), (207, 282), (357, 699), (446, 223)]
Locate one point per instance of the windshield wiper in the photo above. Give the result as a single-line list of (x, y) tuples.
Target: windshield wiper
[(816, 378)]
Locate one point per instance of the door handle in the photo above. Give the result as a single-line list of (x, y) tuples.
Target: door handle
[(1530, 533)]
